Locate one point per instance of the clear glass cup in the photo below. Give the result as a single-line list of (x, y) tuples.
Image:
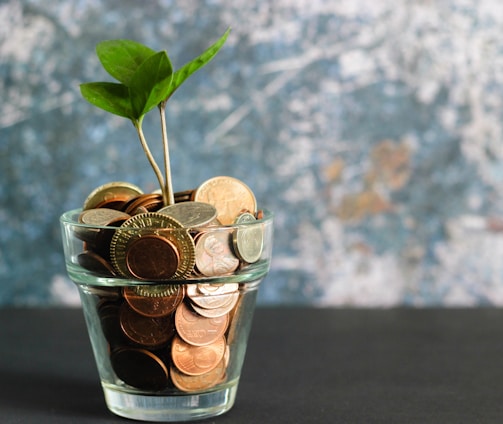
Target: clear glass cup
[(168, 349)]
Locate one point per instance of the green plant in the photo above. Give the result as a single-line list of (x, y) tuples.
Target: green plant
[(146, 80)]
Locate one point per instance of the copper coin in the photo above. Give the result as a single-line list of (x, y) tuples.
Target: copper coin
[(198, 330), (150, 202), (95, 263), (154, 301), (152, 257), (140, 368), (110, 324), (113, 193), (228, 195), (197, 383), (183, 196), (214, 256), (145, 331), (248, 238), (197, 360)]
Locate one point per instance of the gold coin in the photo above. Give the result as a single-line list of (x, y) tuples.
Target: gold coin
[(197, 360), (214, 256), (229, 195), (152, 223), (248, 239), (111, 193)]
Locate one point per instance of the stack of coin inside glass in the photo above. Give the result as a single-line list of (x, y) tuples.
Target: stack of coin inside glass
[(176, 332)]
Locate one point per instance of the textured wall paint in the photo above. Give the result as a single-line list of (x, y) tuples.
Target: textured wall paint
[(373, 130)]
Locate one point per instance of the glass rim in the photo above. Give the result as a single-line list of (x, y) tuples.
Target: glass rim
[(69, 217)]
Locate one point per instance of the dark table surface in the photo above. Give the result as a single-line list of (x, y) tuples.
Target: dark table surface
[(302, 366)]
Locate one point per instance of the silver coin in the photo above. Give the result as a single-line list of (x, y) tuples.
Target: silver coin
[(191, 214), (248, 239)]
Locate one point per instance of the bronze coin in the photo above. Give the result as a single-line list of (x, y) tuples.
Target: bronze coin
[(154, 301), (229, 196), (113, 193), (152, 257), (110, 323), (150, 201), (197, 360), (145, 331), (95, 263), (197, 383), (198, 330), (140, 368), (214, 256)]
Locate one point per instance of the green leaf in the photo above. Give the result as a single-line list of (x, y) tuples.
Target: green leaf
[(150, 84), (112, 97), (121, 58), (195, 64)]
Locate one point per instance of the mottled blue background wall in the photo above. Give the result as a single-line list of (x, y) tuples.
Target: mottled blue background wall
[(373, 130)]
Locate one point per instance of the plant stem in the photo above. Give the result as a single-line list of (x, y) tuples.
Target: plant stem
[(168, 188), (144, 145)]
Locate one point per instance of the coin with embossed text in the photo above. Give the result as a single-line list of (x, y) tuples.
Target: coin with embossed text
[(154, 301), (152, 223), (191, 214), (229, 195), (195, 383), (213, 254), (198, 330), (197, 360)]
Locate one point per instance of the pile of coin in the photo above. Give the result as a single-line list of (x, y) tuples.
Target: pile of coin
[(130, 234), (173, 336), (176, 333)]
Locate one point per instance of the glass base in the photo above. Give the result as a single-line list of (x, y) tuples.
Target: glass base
[(170, 408)]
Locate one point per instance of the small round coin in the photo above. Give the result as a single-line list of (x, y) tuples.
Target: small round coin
[(229, 196), (191, 214), (154, 301), (197, 360), (145, 331), (140, 368), (152, 257), (111, 193), (248, 240), (191, 383), (213, 255), (210, 301), (219, 311), (198, 330)]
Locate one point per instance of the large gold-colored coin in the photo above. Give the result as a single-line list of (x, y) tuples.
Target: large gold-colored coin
[(159, 225), (229, 195)]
